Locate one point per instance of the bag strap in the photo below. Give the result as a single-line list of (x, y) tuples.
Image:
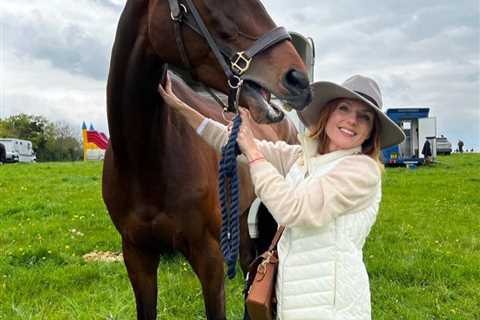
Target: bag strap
[(276, 238)]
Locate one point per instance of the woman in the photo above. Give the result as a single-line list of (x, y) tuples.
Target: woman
[(326, 192)]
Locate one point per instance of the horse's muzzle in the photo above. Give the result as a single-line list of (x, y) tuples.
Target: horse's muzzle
[(298, 86)]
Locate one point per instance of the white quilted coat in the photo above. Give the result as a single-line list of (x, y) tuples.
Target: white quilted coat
[(321, 273)]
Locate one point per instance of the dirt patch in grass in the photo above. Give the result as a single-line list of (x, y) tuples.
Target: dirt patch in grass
[(103, 256)]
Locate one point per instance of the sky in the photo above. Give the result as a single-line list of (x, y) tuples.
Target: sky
[(54, 55)]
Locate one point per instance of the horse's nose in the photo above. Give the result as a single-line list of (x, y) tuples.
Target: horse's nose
[(296, 81)]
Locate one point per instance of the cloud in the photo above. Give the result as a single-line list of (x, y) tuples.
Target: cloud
[(75, 38), (35, 87), (423, 53), (55, 54)]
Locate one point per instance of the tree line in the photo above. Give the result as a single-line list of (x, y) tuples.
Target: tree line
[(51, 141)]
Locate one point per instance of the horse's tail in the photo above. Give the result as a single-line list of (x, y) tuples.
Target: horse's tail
[(266, 229)]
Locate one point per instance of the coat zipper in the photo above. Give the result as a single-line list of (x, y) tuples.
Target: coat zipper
[(335, 265), (288, 233)]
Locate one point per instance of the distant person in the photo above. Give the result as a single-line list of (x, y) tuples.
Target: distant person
[(427, 152), (3, 154), (460, 146)]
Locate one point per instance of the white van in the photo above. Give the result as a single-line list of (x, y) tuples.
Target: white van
[(17, 150)]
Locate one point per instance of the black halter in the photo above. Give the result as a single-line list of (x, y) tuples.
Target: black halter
[(233, 62)]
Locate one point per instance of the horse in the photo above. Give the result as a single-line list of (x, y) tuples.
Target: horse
[(159, 179)]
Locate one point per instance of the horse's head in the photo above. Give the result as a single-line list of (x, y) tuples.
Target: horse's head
[(235, 25)]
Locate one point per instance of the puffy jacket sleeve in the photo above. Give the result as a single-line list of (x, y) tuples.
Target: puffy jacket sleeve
[(350, 186), (280, 154)]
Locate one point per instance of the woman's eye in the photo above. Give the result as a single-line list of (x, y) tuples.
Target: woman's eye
[(343, 107), (365, 117)]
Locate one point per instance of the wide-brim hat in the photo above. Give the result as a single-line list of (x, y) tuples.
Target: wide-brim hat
[(359, 88)]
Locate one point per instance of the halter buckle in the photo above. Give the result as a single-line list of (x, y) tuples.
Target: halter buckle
[(240, 63)]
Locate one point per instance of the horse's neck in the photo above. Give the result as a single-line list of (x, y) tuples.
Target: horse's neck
[(134, 107)]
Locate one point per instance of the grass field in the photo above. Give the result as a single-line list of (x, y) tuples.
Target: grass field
[(423, 254)]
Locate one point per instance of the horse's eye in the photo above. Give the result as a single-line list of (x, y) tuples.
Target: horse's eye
[(227, 34)]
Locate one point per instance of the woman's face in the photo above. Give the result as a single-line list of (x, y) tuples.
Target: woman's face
[(349, 125)]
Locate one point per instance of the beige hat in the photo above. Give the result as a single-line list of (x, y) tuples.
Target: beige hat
[(359, 88)]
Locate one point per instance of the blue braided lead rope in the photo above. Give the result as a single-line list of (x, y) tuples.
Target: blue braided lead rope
[(229, 190)]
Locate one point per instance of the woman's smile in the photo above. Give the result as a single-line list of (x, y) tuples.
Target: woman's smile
[(347, 132)]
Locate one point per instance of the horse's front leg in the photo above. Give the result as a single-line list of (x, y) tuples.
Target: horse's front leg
[(206, 260), (142, 271)]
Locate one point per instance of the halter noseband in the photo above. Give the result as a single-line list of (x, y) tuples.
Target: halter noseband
[(233, 62)]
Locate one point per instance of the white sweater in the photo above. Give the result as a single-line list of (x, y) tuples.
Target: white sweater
[(328, 204)]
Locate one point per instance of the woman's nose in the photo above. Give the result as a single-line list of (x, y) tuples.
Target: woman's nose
[(352, 118)]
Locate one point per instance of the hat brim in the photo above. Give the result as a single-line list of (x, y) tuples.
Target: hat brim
[(324, 91)]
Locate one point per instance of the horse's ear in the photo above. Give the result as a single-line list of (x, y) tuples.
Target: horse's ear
[(163, 74)]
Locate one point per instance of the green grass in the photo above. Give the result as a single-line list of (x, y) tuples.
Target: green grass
[(423, 254)]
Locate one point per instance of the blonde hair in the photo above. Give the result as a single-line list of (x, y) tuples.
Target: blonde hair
[(371, 147)]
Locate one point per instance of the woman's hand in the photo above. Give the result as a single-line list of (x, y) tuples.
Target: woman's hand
[(246, 138), (168, 96), (192, 116)]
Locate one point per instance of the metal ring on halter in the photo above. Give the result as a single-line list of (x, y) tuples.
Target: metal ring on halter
[(238, 81), (180, 14)]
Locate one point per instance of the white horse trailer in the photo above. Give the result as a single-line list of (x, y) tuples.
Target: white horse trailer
[(18, 150)]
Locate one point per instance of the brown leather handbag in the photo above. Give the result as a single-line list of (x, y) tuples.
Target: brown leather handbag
[(262, 274)]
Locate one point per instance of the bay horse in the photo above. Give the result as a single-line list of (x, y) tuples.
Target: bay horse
[(159, 177)]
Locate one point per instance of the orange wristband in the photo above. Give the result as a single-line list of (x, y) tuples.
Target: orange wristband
[(256, 159)]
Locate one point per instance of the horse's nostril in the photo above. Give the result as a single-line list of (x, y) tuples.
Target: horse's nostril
[(297, 79)]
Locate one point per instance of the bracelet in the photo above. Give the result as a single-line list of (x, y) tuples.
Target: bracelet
[(256, 159)]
